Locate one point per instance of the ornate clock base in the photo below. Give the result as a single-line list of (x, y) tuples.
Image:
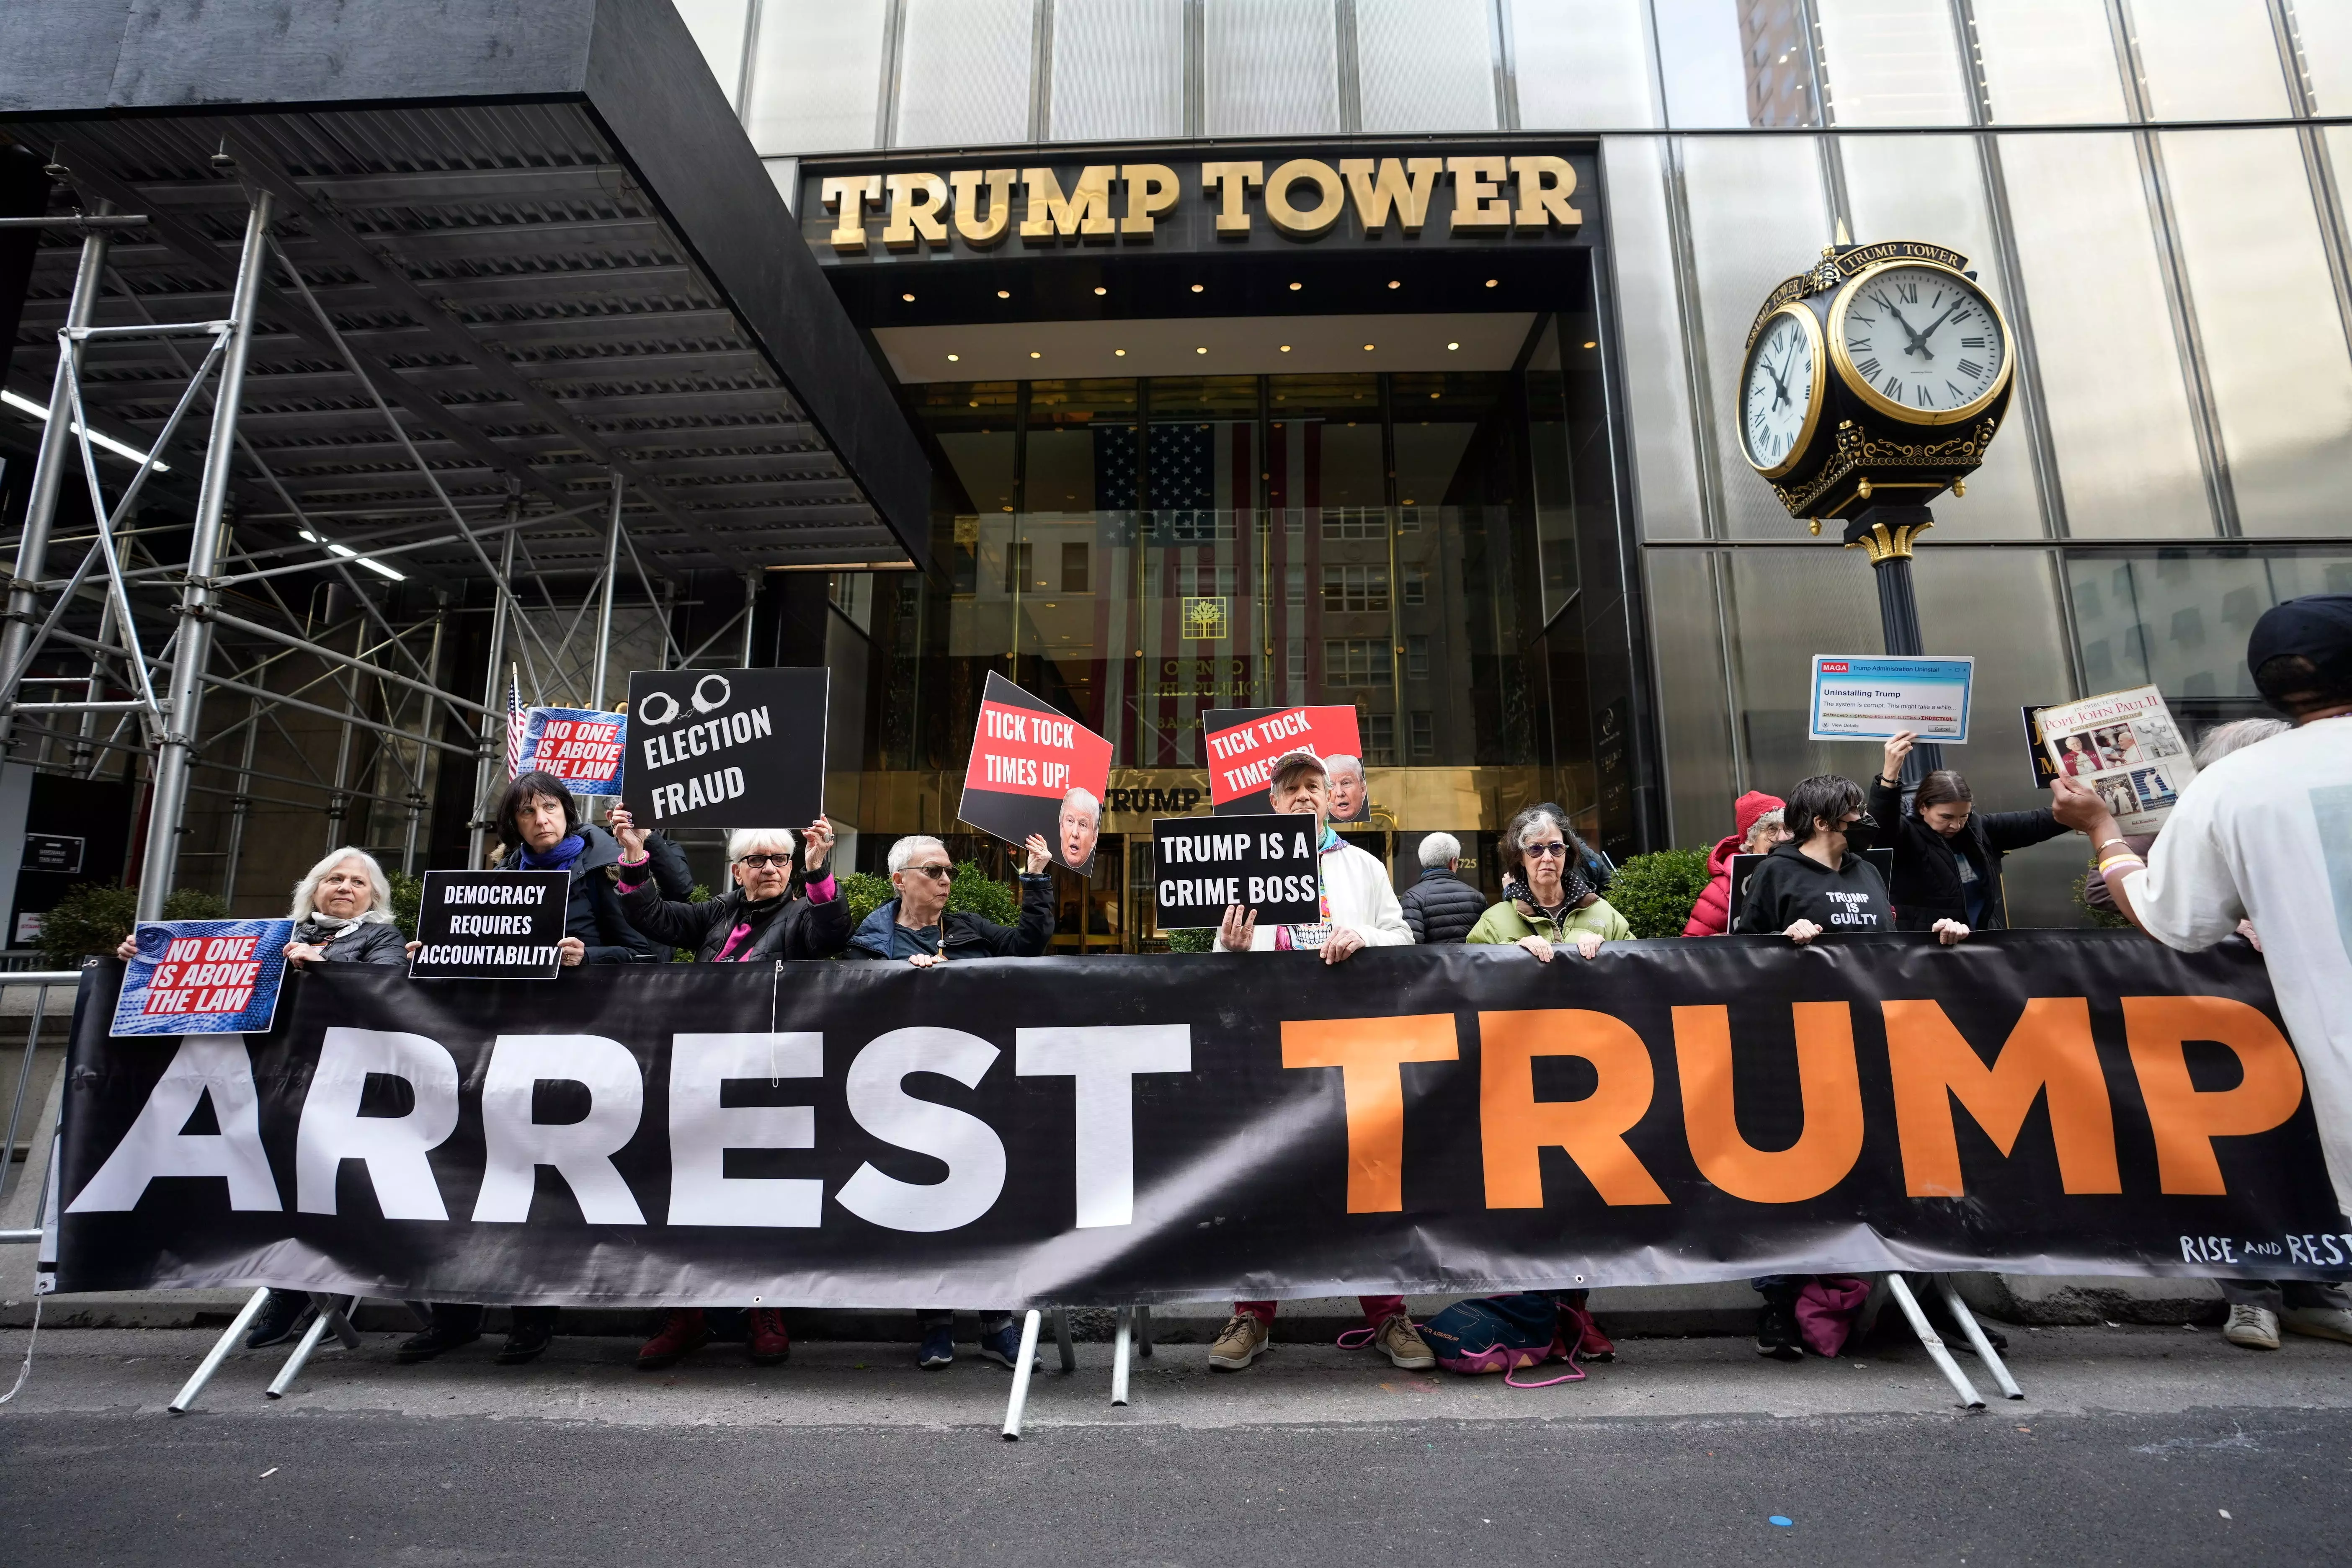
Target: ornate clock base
[(1887, 533)]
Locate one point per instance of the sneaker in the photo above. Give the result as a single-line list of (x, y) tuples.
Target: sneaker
[(682, 1331), (1582, 1334), (939, 1347), (1397, 1338), (764, 1339), (2319, 1322), (1776, 1334), (1003, 1347), (527, 1341), (1245, 1340), (437, 1338), (2256, 1328), (284, 1315)]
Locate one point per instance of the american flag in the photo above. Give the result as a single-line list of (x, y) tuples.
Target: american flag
[(518, 720)]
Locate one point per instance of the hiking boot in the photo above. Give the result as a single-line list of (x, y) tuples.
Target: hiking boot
[(2256, 1328), (764, 1339), (437, 1337), (2319, 1322), (1245, 1340), (1397, 1338), (939, 1347), (283, 1316), (1003, 1346), (1775, 1332), (682, 1331), (529, 1338)]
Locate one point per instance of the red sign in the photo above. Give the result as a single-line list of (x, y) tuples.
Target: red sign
[(1034, 768), (1243, 743)]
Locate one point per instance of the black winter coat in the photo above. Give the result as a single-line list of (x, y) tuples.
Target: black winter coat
[(594, 915), (966, 936), (1442, 907), (1927, 883), (370, 942), (798, 929)]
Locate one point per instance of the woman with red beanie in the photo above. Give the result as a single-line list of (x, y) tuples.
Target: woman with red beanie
[(1761, 827)]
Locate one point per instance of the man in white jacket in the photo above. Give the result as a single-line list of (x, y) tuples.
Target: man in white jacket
[(1359, 909)]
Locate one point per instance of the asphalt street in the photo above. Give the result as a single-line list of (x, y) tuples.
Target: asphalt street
[(2137, 1445)]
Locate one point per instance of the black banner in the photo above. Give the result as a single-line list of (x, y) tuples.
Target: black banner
[(1178, 1127), (490, 925)]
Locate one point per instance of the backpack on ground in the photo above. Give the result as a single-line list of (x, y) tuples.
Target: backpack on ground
[(1508, 1333)]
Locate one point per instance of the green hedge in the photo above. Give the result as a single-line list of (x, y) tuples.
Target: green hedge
[(1655, 892), (1196, 938), (94, 919)]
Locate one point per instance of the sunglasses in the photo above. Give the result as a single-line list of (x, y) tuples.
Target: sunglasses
[(1544, 851), (936, 873), (761, 862)]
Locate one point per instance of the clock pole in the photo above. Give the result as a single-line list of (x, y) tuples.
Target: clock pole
[(1886, 533)]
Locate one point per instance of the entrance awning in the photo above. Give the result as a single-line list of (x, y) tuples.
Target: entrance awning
[(536, 231)]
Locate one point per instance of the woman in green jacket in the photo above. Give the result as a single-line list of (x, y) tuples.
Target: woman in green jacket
[(1546, 899)]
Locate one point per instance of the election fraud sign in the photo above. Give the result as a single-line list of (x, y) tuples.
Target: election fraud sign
[(1034, 768), (1243, 743), (1096, 1131), (579, 745), (1265, 862), (490, 925), (203, 977), (726, 748), (1869, 697)]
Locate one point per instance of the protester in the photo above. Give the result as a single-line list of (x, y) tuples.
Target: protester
[(1359, 909), (1441, 907), (1546, 898), (1079, 824), (919, 927), (1760, 823), (540, 828), (1948, 854), (1352, 795), (342, 914), (1816, 881), (760, 921), (2265, 834), (2218, 743)]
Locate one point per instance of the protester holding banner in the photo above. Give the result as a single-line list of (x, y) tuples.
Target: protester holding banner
[(1761, 821), (1948, 854), (2266, 834), (919, 927), (1359, 909), (1441, 907), (1818, 881), (1546, 900), (540, 828)]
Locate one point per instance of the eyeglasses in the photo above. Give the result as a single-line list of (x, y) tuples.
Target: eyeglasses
[(1544, 851), (761, 862), (936, 873)]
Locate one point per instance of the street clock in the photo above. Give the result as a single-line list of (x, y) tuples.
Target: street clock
[(1878, 378)]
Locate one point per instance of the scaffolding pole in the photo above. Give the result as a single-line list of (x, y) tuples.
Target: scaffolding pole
[(612, 580), (169, 797)]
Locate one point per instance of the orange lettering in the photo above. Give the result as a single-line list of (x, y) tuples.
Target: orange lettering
[(1514, 1125), (1367, 1052), (2185, 1119), (2050, 1050), (1827, 1078)]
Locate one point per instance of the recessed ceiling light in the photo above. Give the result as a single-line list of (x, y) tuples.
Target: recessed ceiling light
[(1396, 283), (1592, 345), (1100, 289), (1199, 350), (975, 403), (1034, 354), (1007, 293), (1197, 288), (908, 297), (1437, 394), (1368, 348), (1008, 508), (952, 358), (1295, 287), (1454, 345), (1285, 348), (1121, 352)]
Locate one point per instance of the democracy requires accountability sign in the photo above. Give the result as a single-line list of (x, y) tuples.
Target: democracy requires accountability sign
[(490, 925), (1179, 1127), (726, 748)]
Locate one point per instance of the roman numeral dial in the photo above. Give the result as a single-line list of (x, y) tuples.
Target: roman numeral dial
[(1780, 390), (1919, 341)]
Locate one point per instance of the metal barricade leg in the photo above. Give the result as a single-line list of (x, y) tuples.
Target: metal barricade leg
[(1976, 1340), (218, 1353), (1143, 1331), (331, 1315), (1123, 1343), (1062, 1340), (1018, 1402), (1901, 1291)]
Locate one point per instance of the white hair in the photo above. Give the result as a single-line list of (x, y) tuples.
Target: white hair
[(2223, 739), (1438, 849), (744, 840), (903, 853), (306, 891), (1341, 763), (1086, 803)]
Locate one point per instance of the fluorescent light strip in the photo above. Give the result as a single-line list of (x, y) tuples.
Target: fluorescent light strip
[(27, 406), (348, 553)]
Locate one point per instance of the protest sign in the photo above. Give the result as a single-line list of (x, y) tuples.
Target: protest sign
[(203, 977), (1860, 697), (2125, 745), (2044, 767), (579, 745), (1034, 768), (490, 925), (1744, 867), (1263, 861), (726, 748), (1242, 745)]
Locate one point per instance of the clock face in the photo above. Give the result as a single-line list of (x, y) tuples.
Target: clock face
[(1922, 341), (1781, 392)]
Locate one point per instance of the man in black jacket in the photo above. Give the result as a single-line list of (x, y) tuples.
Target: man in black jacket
[(1442, 907), (1947, 853)]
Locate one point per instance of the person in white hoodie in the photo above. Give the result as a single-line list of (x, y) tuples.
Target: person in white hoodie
[(1359, 910)]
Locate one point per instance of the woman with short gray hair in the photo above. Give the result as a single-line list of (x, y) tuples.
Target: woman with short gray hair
[(757, 921)]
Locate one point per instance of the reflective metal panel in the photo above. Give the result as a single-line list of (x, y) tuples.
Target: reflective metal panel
[(963, 72), (2208, 59), (816, 75), (2049, 61), (1271, 67), (1893, 62), (1118, 69), (1426, 64), (1582, 65)]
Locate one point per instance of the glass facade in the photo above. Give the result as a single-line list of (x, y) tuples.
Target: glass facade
[(2143, 186)]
